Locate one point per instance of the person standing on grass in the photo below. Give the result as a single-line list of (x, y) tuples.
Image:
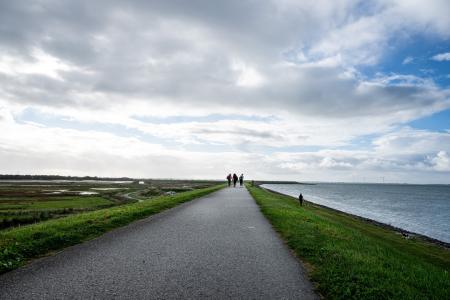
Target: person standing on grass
[(300, 199), (229, 179), (241, 179), (235, 179)]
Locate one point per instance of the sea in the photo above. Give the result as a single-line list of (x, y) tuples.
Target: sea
[(423, 209)]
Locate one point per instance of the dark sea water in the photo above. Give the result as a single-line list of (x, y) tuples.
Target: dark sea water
[(423, 209)]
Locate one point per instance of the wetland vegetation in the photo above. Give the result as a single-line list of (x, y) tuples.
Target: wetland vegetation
[(34, 200)]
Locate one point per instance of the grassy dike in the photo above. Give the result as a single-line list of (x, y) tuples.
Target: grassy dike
[(352, 259), (18, 245)]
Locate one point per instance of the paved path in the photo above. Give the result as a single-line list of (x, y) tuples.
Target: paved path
[(219, 247)]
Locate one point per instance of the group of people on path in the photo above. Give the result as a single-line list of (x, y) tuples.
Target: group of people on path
[(235, 179)]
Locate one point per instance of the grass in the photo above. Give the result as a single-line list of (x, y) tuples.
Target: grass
[(58, 203), (352, 259), (18, 245), (20, 212)]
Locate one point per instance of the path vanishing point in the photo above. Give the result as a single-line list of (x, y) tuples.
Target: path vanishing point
[(218, 247)]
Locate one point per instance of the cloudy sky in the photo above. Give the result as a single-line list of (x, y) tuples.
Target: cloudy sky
[(302, 90)]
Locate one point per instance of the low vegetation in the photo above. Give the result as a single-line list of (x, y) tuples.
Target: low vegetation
[(352, 259), (17, 245), (31, 201)]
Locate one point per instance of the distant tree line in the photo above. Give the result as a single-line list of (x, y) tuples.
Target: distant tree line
[(59, 177)]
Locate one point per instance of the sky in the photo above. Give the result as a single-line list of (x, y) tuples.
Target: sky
[(313, 90)]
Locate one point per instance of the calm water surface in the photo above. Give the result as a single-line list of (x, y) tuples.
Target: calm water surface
[(423, 209)]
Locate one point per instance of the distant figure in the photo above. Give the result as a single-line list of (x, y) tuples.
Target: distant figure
[(235, 179), (300, 199), (229, 179), (241, 179)]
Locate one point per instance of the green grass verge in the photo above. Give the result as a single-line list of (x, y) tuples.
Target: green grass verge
[(18, 245), (349, 258)]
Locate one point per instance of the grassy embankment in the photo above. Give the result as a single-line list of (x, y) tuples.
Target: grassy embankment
[(17, 245), (352, 259)]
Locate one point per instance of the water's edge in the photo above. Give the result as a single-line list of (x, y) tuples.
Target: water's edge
[(403, 232)]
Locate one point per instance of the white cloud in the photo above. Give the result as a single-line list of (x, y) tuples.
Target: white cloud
[(441, 57), (409, 141), (248, 76), (408, 60), (441, 162), (398, 156), (41, 63)]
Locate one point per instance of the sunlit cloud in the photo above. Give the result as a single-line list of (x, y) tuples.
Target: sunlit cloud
[(441, 57)]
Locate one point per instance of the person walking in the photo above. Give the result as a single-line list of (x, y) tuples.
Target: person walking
[(241, 179), (300, 199), (229, 179), (235, 179)]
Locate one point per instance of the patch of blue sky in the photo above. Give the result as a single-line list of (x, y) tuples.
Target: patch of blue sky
[(437, 122), (54, 121), (367, 8), (412, 55), (204, 119), (360, 143), (295, 55)]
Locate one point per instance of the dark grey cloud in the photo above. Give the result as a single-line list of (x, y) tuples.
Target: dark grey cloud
[(25, 25)]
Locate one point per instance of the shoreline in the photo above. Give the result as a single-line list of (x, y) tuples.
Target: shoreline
[(349, 257), (405, 233)]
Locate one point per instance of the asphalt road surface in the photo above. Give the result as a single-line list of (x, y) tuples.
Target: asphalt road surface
[(216, 247)]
